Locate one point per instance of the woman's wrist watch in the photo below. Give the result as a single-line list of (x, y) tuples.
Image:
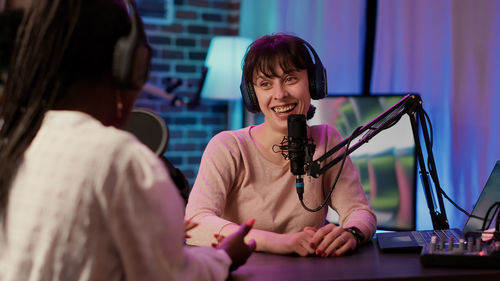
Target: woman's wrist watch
[(356, 233)]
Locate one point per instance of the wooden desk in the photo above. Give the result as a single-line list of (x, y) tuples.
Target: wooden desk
[(367, 263)]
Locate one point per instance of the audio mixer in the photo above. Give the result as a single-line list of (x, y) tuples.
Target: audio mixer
[(470, 253)]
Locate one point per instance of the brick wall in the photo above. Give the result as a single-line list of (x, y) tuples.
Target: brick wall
[(179, 51)]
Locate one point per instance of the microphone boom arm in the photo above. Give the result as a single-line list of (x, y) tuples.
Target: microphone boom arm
[(411, 105)]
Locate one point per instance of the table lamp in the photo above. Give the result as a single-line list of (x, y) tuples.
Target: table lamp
[(224, 63)]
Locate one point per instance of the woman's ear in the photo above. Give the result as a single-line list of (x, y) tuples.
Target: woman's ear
[(119, 105), (124, 102)]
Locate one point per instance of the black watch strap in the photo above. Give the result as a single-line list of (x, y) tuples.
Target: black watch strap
[(356, 233)]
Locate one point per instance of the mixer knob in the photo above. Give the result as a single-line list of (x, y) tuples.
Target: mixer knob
[(432, 246), (441, 244), (461, 245), (450, 244), (470, 243), (479, 245)]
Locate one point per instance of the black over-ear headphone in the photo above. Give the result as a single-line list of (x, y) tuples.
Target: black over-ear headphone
[(131, 57), (316, 76)]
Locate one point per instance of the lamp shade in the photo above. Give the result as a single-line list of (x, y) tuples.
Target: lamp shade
[(224, 62)]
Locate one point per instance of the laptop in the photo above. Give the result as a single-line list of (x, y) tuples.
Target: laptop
[(413, 241)]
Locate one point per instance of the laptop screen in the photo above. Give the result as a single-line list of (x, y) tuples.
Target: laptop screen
[(489, 195)]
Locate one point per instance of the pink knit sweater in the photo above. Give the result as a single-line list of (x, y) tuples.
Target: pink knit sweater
[(236, 182)]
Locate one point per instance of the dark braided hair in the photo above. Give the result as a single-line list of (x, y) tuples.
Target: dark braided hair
[(58, 41)]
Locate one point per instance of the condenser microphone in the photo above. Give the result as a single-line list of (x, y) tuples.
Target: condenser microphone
[(297, 139)]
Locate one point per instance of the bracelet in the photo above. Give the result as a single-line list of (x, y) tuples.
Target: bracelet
[(356, 233)]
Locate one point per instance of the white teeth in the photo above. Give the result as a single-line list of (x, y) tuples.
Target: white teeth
[(284, 108)]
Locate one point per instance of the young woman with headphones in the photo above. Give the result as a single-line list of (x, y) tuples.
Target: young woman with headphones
[(240, 175), (79, 198)]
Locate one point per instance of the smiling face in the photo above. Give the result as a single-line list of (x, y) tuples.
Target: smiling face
[(282, 95)]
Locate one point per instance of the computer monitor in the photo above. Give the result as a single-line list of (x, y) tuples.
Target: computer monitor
[(386, 164)]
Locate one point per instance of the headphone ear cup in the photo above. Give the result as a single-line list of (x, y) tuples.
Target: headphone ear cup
[(249, 97), (317, 76), (123, 58), (127, 70), (317, 82)]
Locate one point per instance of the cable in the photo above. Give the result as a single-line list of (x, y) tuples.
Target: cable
[(432, 171), (385, 125), (496, 235), (486, 219), (336, 178)]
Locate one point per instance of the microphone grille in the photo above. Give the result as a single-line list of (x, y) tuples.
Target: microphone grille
[(297, 126)]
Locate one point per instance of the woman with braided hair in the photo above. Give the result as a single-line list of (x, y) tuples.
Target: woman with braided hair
[(79, 198)]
